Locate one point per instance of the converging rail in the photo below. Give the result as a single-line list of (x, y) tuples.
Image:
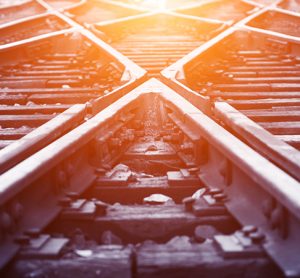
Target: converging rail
[(36, 90), (188, 132), (155, 41), (149, 139), (22, 10)]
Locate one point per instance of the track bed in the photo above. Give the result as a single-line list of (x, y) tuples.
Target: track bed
[(35, 90), (143, 147), (97, 11), (22, 10), (64, 4), (261, 82), (221, 10), (292, 5), (277, 22), (36, 26), (157, 41)]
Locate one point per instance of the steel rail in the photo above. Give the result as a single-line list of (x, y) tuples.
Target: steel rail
[(23, 20), (258, 174), (132, 69), (41, 136), (26, 2), (132, 76), (174, 76), (176, 69)]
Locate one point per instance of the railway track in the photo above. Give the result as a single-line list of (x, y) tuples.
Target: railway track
[(22, 10), (140, 38), (285, 22), (141, 143), (36, 26), (222, 10), (271, 99), (148, 159), (65, 4), (38, 83), (96, 11), (290, 5)]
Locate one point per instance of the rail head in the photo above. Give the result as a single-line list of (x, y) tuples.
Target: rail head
[(287, 157), (178, 68), (281, 156), (41, 136), (290, 12), (196, 5), (24, 20), (259, 174), (16, 5), (125, 9), (118, 22), (72, 6), (114, 28), (258, 167), (199, 18), (281, 36), (39, 163), (132, 70), (269, 176), (124, 5), (131, 73)]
